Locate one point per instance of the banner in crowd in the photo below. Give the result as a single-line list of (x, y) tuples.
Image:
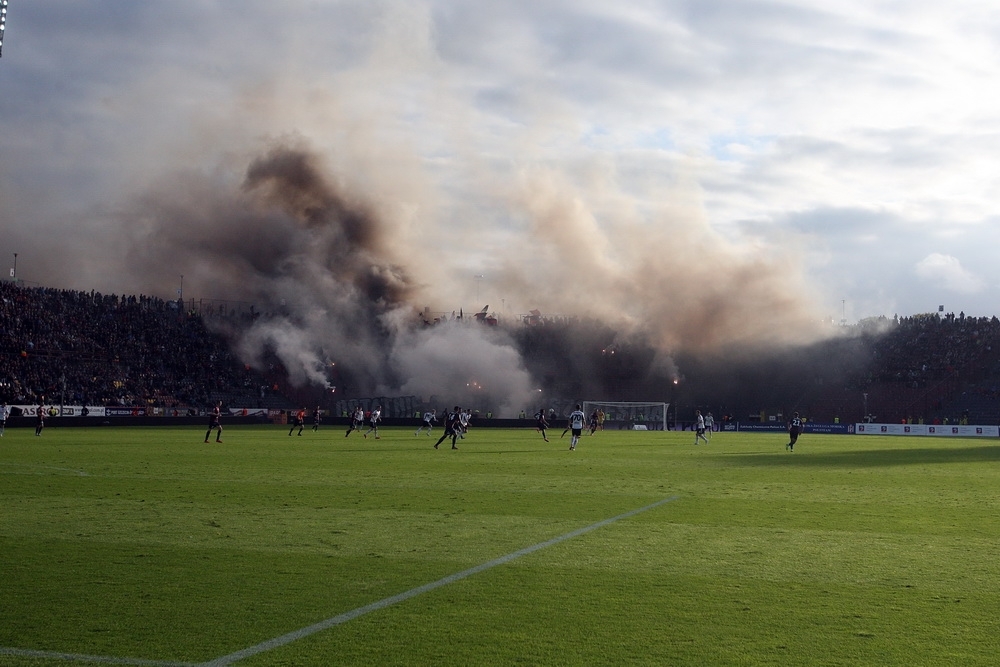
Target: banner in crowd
[(949, 430)]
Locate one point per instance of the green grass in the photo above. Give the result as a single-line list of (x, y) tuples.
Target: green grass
[(147, 544)]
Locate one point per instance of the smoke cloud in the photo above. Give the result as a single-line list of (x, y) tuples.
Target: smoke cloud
[(397, 201), (339, 284)]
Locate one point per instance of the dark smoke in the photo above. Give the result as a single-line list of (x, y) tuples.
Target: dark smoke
[(339, 294), (348, 241), (334, 307)]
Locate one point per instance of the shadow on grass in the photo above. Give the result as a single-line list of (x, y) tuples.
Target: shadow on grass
[(871, 458)]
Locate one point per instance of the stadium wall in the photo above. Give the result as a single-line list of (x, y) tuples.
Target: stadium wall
[(78, 415)]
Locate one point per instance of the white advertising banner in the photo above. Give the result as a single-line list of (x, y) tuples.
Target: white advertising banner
[(123, 411), (940, 430), (248, 412), (77, 410)]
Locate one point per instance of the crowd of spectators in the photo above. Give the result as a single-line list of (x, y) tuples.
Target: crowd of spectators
[(87, 348), (919, 368), (926, 348)]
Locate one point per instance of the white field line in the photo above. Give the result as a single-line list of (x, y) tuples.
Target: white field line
[(33, 467), (413, 592), (81, 657), (301, 633)]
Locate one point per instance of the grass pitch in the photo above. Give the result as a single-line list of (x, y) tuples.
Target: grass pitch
[(149, 547)]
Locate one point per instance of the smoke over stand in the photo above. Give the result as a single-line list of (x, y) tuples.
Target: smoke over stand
[(338, 281)]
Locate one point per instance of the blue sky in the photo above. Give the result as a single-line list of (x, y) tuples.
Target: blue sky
[(843, 151)]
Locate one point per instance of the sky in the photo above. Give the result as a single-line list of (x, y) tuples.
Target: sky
[(708, 171)]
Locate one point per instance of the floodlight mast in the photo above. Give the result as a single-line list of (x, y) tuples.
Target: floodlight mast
[(3, 22)]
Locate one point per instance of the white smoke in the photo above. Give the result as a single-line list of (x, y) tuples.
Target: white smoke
[(462, 362)]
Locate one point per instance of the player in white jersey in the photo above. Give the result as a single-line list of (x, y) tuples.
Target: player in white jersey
[(699, 427), (709, 425), (463, 419), (577, 419), (429, 418), (373, 419)]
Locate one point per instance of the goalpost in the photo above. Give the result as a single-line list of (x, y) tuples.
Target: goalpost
[(637, 415)]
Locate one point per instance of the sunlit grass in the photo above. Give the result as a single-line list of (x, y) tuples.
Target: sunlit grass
[(149, 544)]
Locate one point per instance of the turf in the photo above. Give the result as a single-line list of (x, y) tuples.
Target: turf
[(135, 545)]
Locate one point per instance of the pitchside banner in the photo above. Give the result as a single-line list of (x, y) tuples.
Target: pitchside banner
[(121, 411), (84, 410), (776, 427), (829, 428), (951, 431), (761, 426), (249, 412)]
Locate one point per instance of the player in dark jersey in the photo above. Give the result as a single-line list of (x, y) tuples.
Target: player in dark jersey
[(39, 419), (541, 425), (317, 418), (794, 428), (452, 427), (300, 421), (215, 422)]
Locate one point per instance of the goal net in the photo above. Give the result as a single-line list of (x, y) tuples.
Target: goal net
[(630, 414)]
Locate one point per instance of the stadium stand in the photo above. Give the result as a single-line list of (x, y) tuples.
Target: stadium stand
[(88, 348), (921, 368)]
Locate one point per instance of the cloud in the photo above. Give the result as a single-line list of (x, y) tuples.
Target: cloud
[(948, 271), (704, 174)]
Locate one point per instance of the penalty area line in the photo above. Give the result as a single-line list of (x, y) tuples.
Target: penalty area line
[(301, 633)]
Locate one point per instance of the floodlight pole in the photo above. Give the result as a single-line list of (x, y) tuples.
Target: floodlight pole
[(3, 22), (13, 272)]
